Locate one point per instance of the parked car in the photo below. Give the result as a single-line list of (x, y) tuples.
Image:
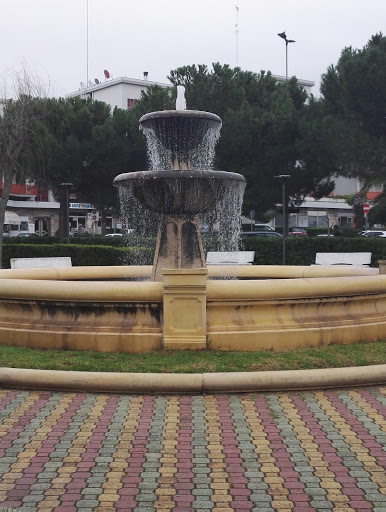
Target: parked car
[(371, 233), (113, 234), (298, 232), (26, 234), (263, 227), (265, 234)]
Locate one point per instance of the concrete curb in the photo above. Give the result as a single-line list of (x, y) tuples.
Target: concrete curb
[(149, 383)]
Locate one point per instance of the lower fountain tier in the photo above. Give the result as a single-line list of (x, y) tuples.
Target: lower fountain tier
[(181, 192)]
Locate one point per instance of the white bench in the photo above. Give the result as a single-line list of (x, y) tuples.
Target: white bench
[(356, 259), (41, 262), (230, 258)]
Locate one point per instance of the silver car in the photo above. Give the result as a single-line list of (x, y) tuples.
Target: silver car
[(376, 233)]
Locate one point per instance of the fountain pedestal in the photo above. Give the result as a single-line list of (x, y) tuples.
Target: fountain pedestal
[(179, 245), (184, 308)]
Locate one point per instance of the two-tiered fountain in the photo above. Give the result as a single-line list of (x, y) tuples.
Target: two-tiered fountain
[(111, 309), (177, 188)]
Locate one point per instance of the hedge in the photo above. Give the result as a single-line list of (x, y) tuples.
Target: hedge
[(299, 251), (81, 255), (115, 241), (302, 250)]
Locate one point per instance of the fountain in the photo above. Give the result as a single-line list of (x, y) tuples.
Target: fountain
[(175, 303), (182, 140)]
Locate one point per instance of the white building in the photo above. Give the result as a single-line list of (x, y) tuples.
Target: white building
[(306, 84), (118, 92)]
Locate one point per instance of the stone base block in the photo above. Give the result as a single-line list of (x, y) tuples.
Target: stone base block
[(184, 308)]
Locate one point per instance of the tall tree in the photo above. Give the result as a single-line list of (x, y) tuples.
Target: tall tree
[(110, 153), (354, 99), (90, 146), (21, 122), (263, 134)]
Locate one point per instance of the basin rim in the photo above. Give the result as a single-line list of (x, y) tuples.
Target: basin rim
[(181, 114), (178, 175)]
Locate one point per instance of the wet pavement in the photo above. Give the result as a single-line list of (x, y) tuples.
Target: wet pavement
[(323, 450)]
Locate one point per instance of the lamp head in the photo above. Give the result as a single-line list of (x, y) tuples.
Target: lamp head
[(283, 177), (283, 36)]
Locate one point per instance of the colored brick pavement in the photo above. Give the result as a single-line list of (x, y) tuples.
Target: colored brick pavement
[(299, 452)]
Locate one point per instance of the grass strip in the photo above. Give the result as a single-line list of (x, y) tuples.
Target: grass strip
[(190, 361)]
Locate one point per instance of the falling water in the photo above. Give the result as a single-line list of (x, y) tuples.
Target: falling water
[(145, 224), (164, 140)]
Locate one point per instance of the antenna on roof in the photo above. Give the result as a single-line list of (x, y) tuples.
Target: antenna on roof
[(90, 84), (96, 81), (107, 74), (82, 86)]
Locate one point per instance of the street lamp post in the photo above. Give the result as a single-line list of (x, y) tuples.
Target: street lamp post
[(283, 36), (283, 179), (67, 187)]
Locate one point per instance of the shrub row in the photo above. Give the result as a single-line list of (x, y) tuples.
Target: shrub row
[(115, 241), (302, 250), (81, 255), (299, 251)]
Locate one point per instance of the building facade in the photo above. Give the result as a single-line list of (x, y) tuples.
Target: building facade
[(31, 210), (119, 92)]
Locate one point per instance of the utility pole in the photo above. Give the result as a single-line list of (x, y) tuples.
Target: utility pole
[(283, 179)]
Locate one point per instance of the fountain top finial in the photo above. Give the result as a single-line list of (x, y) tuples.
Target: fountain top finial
[(180, 101)]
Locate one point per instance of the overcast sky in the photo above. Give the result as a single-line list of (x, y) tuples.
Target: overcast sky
[(128, 37)]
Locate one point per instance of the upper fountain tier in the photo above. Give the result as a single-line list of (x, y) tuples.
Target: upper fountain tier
[(184, 135)]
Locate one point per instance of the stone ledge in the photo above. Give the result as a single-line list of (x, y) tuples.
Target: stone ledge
[(174, 383)]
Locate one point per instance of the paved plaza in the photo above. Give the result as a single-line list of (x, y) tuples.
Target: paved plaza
[(305, 451)]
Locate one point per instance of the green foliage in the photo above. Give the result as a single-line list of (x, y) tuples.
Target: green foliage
[(354, 105), (125, 241), (316, 231), (34, 240), (262, 131), (152, 99), (81, 255), (82, 142), (302, 250)]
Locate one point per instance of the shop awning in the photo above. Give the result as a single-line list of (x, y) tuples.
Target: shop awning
[(11, 218)]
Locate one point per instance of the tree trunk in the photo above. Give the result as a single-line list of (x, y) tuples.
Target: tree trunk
[(62, 214), (7, 182), (358, 201), (102, 214)]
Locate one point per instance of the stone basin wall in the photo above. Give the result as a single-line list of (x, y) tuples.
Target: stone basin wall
[(113, 309)]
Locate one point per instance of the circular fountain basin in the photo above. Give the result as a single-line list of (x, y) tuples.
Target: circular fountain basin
[(79, 308), (181, 192)]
